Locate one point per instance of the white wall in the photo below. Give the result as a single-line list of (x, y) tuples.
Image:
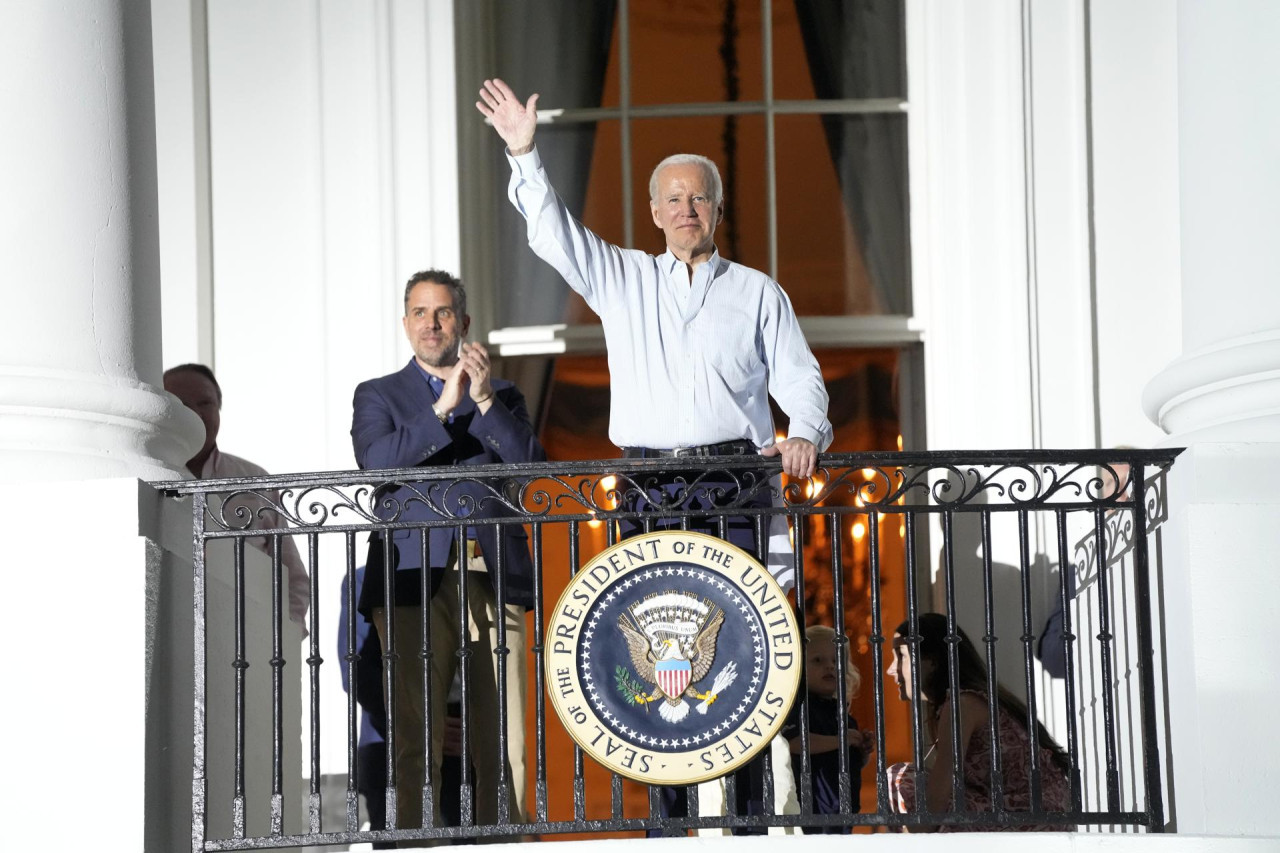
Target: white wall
[(332, 178), (331, 170), (1001, 242), (1135, 133)]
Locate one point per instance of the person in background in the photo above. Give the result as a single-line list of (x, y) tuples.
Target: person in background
[(198, 389), (972, 752), (822, 683), (1114, 481)]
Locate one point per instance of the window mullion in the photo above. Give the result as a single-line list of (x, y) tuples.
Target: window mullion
[(770, 141), (624, 128)]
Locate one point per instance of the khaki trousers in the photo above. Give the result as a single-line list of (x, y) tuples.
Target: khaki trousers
[(482, 692)]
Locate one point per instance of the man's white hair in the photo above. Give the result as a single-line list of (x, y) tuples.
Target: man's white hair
[(708, 165)]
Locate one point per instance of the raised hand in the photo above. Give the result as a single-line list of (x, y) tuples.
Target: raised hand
[(514, 121), (455, 385)]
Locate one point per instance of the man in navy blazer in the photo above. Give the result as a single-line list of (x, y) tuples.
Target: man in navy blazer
[(445, 408)]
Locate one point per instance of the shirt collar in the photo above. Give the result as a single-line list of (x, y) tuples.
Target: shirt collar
[(435, 382), (667, 261)]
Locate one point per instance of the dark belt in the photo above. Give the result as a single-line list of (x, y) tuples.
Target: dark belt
[(741, 447)]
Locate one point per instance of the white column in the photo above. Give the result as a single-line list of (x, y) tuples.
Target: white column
[(1221, 400), (1226, 385), (80, 325)]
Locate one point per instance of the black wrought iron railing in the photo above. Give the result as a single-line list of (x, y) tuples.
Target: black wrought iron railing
[(1031, 553)]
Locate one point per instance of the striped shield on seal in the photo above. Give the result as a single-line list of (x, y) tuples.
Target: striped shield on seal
[(673, 676)]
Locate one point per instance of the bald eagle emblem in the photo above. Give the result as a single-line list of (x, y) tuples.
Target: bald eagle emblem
[(672, 640)]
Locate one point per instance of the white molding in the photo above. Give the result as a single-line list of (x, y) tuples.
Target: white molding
[(1229, 391), (820, 332), (71, 425)]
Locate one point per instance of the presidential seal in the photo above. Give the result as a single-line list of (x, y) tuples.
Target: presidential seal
[(673, 658)]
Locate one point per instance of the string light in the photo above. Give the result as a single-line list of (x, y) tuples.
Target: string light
[(608, 483), (859, 531)]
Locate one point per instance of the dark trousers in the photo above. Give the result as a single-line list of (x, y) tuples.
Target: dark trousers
[(749, 799), (714, 490), (371, 783)]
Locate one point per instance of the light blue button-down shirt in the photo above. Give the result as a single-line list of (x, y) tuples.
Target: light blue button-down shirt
[(690, 362)]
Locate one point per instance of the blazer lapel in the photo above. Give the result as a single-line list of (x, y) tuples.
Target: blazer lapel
[(412, 385)]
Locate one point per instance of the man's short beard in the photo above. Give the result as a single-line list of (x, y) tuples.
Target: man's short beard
[(448, 356)]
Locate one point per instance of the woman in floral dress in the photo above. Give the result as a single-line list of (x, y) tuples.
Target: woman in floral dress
[(973, 753)]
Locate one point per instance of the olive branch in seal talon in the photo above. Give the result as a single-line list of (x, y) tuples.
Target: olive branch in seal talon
[(628, 687)]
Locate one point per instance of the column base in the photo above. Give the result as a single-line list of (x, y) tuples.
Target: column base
[(58, 425), (1227, 392)]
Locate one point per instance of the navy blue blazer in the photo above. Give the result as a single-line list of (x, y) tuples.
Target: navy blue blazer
[(393, 426)]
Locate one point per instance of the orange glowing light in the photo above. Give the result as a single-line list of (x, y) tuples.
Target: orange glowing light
[(859, 531)]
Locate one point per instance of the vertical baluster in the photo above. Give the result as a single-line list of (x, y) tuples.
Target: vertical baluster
[(1146, 651), (993, 687), (1104, 654), (953, 659), (277, 688), (353, 661), (1028, 658), (199, 769), (913, 651), (797, 560), (579, 780), (766, 764), (845, 793), (241, 663), (692, 804), (466, 792), (389, 663), (730, 780), (539, 681), (314, 659), (500, 665), (877, 682), (1068, 650), (426, 656), (615, 781)]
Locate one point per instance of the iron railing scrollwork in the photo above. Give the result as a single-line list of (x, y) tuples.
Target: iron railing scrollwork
[(858, 528)]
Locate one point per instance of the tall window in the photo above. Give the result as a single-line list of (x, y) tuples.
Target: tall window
[(800, 102)]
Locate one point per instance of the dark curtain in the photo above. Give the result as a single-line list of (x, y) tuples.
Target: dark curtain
[(560, 49), (856, 49)]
